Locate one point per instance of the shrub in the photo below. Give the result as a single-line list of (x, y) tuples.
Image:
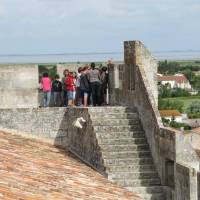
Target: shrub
[(193, 110), (170, 105), (178, 125)]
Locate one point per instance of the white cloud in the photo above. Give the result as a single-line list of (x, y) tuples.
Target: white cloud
[(94, 22)]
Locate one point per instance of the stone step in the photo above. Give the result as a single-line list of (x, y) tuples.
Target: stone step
[(130, 168), (110, 109), (128, 161), (133, 175), (122, 141), (117, 135), (127, 154), (130, 147), (139, 182), (117, 128), (146, 190), (158, 196), (113, 122), (117, 115)]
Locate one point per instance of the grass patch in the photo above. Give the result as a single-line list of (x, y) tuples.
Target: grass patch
[(186, 100)]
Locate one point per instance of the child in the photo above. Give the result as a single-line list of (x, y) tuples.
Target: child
[(46, 87), (70, 87), (57, 89)]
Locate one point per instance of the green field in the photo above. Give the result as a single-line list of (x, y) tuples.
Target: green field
[(186, 100), (188, 63)]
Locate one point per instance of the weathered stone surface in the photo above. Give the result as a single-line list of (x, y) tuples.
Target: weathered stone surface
[(186, 183), (18, 86), (126, 156)]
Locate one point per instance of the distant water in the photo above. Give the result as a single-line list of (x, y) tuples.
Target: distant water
[(88, 57)]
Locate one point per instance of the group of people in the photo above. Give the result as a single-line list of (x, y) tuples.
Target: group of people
[(87, 87)]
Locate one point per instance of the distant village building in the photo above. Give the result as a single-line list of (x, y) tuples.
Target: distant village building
[(175, 81), (171, 115)]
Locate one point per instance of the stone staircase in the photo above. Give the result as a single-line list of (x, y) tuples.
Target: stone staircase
[(125, 151)]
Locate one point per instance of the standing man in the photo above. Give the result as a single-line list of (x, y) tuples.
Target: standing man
[(64, 88)]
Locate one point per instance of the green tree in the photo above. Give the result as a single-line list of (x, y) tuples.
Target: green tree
[(196, 82), (189, 74), (164, 91), (193, 110)]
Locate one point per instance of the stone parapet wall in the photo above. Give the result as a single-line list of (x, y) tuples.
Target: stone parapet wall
[(18, 86), (186, 183), (161, 140), (55, 125), (185, 149), (137, 87)]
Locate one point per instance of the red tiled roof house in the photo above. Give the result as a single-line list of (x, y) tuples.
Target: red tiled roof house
[(176, 81), (171, 114)]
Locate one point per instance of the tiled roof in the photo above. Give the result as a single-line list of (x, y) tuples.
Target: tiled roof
[(196, 130), (32, 170), (169, 113), (198, 152), (177, 78)]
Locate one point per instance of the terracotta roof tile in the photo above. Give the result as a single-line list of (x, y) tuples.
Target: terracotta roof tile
[(177, 78), (169, 113), (34, 170), (196, 130)]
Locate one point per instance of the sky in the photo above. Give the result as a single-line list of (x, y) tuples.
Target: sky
[(74, 26)]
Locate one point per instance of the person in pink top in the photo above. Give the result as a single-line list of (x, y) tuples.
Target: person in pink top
[(46, 87)]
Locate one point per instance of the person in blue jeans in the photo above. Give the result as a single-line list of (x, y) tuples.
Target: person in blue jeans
[(64, 93), (84, 86), (94, 79), (46, 87), (57, 89)]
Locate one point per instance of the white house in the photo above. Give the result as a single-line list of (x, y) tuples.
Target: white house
[(175, 81), (171, 115)]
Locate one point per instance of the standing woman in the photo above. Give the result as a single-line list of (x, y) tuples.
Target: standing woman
[(94, 78), (46, 87), (84, 86)]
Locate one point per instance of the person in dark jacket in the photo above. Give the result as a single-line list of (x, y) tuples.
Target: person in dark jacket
[(94, 78), (104, 85), (57, 89), (64, 90), (84, 86)]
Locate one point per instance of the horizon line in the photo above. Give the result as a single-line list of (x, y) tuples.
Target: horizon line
[(93, 53)]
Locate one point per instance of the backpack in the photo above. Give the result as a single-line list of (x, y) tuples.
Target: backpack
[(56, 86)]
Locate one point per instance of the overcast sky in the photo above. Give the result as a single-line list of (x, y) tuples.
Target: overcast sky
[(61, 26)]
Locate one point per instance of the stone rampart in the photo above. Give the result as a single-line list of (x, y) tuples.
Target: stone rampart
[(134, 84), (138, 90)]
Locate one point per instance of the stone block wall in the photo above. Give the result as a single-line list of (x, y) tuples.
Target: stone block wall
[(70, 67), (18, 86), (186, 183)]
